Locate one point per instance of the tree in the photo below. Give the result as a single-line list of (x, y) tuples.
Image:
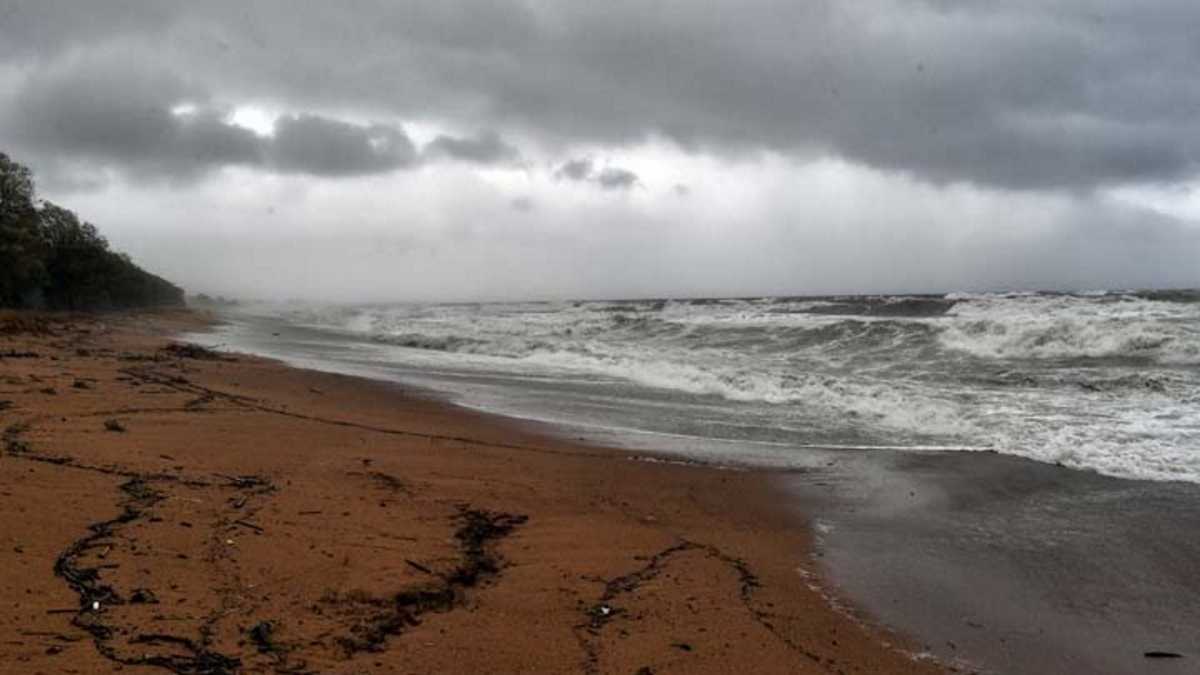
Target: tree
[(22, 250), (50, 258)]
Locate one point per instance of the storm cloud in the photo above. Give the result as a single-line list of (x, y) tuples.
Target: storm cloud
[(149, 121), (1023, 95), (79, 110), (770, 117), (583, 170), (580, 169), (324, 147), (616, 178), (484, 148)]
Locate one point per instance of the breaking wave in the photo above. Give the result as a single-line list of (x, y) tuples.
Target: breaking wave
[(1103, 380), (1069, 327)]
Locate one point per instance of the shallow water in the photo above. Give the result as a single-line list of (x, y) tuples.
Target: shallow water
[(1012, 565)]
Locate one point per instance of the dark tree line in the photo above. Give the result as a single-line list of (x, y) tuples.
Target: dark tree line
[(50, 259)]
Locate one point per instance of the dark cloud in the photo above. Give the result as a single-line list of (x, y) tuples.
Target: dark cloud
[(583, 170), (150, 122), (1074, 95), (484, 148), (325, 147), (34, 28), (575, 169), (616, 178), (82, 111)]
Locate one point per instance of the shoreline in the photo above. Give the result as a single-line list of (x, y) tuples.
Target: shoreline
[(235, 513)]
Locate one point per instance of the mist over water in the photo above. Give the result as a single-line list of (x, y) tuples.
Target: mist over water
[(1103, 381)]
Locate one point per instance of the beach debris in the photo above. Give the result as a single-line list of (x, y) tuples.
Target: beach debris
[(1156, 654), (204, 399), (80, 384), (113, 424), (600, 614), (376, 618), (143, 596), (248, 525), (132, 356), (98, 596), (261, 634), (198, 658), (190, 351), (682, 646), (5, 404), (419, 567), (388, 481), (14, 354), (12, 438), (246, 482)]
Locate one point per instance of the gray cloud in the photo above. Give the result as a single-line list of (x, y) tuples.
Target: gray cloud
[(616, 178), (575, 169), (325, 147), (485, 148), (83, 111), (114, 112), (979, 140), (1066, 95), (583, 169), (1023, 94)]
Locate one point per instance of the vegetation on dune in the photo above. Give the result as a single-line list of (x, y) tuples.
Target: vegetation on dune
[(50, 259)]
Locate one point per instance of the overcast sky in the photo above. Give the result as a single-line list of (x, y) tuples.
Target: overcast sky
[(379, 150)]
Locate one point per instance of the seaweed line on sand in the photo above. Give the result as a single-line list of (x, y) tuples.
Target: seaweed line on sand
[(605, 610), (382, 617)]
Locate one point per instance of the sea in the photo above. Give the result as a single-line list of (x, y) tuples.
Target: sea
[(1104, 381)]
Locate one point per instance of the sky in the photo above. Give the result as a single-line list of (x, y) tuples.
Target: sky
[(371, 150)]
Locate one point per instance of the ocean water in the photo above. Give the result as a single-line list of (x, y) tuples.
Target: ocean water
[(1106, 381)]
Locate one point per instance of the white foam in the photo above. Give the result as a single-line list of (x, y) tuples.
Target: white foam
[(1065, 327), (1106, 382)]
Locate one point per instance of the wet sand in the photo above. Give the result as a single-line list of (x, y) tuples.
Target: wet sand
[(1013, 565), (167, 509)]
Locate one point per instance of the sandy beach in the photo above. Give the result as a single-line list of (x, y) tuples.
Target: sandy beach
[(166, 508)]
